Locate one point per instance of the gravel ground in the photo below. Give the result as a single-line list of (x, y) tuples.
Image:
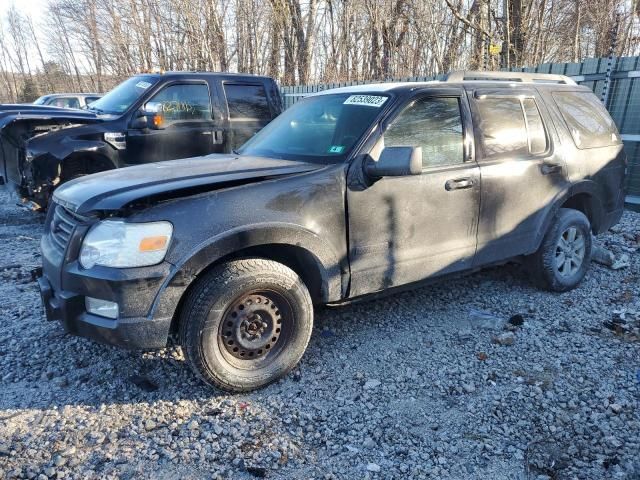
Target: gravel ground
[(431, 383)]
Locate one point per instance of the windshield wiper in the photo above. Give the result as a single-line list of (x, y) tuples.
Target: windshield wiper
[(267, 152), (94, 109)]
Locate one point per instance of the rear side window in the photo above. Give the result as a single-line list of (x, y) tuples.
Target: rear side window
[(247, 102), (511, 126), (64, 102), (588, 121), (502, 127)]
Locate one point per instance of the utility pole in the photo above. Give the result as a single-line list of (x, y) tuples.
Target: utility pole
[(506, 48), (613, 35)]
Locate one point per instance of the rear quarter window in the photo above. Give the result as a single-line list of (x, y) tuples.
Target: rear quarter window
[(590, 124)]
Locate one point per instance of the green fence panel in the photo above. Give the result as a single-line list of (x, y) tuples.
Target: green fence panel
[(590, 65), (573, 69)]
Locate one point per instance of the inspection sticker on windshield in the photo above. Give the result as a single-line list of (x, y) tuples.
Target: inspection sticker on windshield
[(143, 85), (366, 100), (336, 149)]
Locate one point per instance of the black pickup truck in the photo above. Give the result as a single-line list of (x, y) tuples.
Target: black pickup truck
[(147, 118)]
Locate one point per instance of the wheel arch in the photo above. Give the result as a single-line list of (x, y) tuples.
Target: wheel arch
[(84, 162), (302, 251), (584, 197)]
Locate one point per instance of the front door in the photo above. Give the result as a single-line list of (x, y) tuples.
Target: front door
[(405, 229), (188, 128), (522, 171)]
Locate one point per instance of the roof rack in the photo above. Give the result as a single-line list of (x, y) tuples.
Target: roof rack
[(522, 77)]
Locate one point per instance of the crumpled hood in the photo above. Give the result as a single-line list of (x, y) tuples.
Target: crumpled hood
[(12, 113), (113, 189)]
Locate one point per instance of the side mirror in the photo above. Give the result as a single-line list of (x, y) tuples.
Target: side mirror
[(154, 121), (395, 162)]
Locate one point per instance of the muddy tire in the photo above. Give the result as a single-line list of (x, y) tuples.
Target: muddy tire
[(564, 256), (245, 324)]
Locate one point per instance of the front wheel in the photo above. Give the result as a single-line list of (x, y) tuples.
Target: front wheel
[(246, 323), (563, 258)]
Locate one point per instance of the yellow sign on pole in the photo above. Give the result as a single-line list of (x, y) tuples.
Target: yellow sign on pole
[(495, 48)]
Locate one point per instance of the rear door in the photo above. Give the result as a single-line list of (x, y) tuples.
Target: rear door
[(522, 170), (188, 128), (249, 108)]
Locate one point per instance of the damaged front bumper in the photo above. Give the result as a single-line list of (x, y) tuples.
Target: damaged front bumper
[(68, 308), (64, 287)]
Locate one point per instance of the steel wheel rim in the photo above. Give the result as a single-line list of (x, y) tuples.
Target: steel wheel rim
[(569, 252), (255, 328)]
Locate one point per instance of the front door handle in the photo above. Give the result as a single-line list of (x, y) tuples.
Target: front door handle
[(549, 167), (458, 184)]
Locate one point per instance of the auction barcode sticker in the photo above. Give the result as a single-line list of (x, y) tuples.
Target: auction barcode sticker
[(366, 100)]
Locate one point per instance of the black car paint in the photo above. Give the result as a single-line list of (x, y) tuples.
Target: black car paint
[(346, 235), (78, 135)]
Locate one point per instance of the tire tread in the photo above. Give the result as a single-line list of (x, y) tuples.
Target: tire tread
[(196, 307)]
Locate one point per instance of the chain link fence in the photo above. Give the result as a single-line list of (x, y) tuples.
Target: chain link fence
[(622, 99)]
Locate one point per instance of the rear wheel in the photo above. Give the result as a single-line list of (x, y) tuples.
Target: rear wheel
[(246, 324), (562, 260)]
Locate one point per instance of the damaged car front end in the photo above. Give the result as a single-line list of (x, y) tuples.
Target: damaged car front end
[(34, 171), (120, 249)]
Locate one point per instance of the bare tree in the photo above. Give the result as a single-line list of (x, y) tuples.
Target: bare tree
[(93, 44)]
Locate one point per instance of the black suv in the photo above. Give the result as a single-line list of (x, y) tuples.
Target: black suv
[(147, 118), (348, 193)]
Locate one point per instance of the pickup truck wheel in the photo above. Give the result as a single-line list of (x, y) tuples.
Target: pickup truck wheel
[(562, 260), (246, 324)]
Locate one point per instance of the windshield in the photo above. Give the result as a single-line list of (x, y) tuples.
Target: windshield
[(124, 95), (320, 129)]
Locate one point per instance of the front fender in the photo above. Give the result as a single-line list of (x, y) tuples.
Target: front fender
[(183, 274), (46, 167)]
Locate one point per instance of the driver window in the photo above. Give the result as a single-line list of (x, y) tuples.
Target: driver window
[(435, 124), (187, 102)]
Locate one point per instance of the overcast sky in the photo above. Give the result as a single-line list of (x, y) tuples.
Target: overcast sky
[(35, 8)]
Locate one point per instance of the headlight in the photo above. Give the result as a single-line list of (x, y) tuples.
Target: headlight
[(114, 243)]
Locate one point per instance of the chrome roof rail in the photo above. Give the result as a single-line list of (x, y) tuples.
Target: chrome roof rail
[(520, 77)]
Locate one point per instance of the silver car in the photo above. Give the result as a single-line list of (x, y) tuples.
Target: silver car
[(68, 100)]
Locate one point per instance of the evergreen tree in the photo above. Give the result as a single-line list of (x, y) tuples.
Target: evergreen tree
[(29, 91)]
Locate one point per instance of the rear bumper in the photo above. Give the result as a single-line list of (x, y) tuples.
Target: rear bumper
[(68, 308)]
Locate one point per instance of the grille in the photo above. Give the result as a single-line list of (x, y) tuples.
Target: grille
[(62, 225)]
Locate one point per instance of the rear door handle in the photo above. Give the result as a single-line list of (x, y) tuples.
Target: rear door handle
[(550, 167), (218, 137), (458, 184)]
